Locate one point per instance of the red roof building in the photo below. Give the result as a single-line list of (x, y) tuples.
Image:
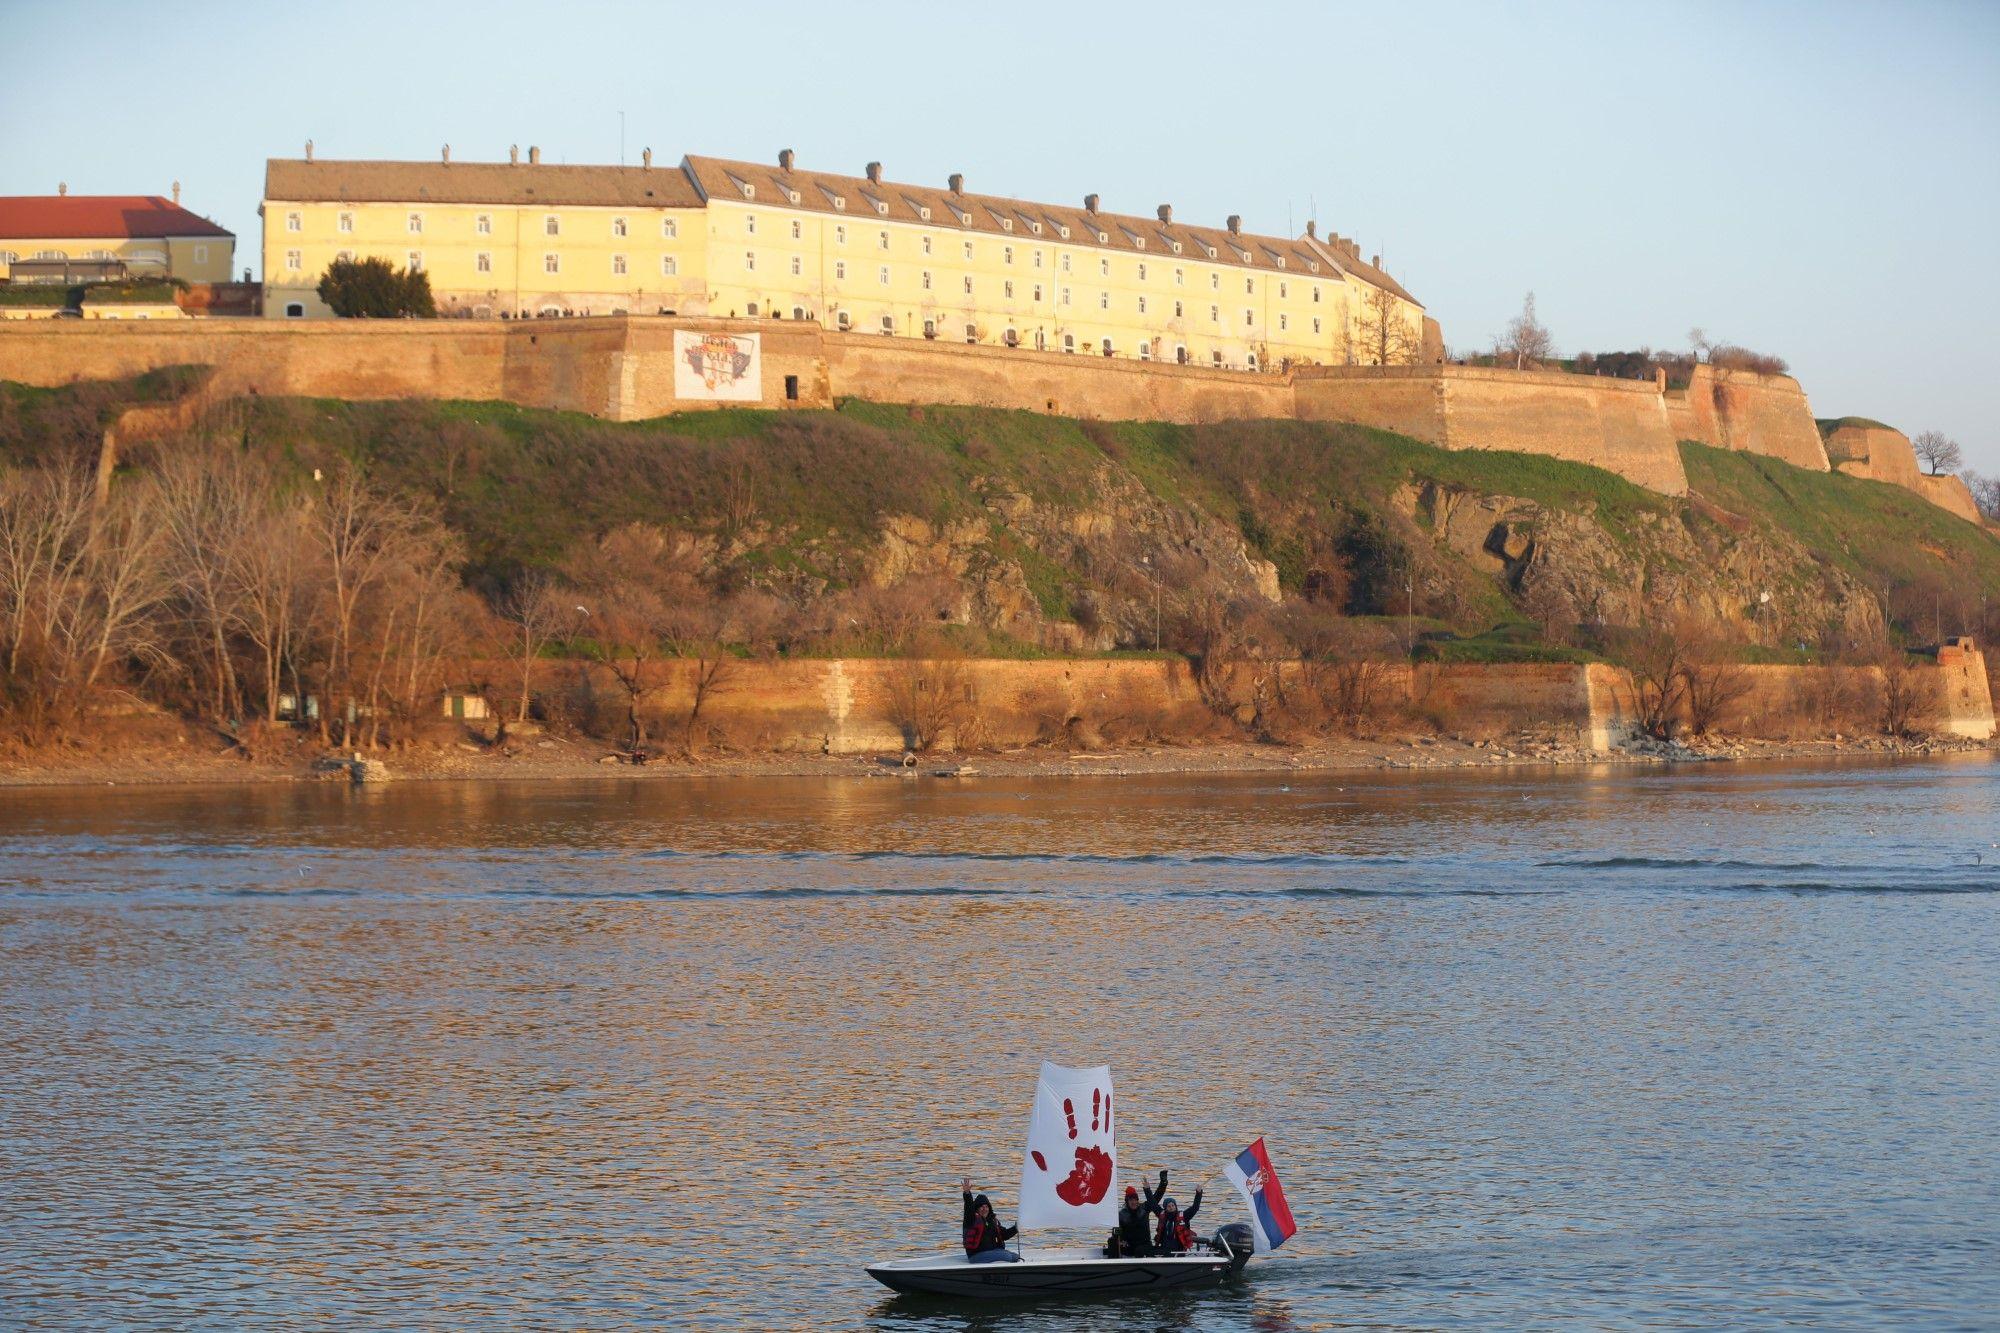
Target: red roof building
[(56, 237)]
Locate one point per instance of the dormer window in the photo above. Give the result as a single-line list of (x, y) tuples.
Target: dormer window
[(924, 212), (1210, 249), (881, 208), (1281, 261), (749, 190), (1176, 246), (1063, 231), (1312, 265), (1006, 224), (1103, 238), (618, 227), (1139, 241), (792, 195), (1035, 227), (840, 202)]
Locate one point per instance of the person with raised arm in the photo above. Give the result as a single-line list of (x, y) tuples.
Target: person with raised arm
[(985, 1239)]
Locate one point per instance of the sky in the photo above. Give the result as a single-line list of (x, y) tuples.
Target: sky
[(1820, 181)]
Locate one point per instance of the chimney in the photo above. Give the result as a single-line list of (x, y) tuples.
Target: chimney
[(534, 156), (957, 182), (874, 173), (1312, 229), (177, 193), (447, 152), (1090, 203), (1166, 212), (1374, 261), (1235, 224), (514, 154), (62, 187), (785, 159), (646, 158), (309, 150)]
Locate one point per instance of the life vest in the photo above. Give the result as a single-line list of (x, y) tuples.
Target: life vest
[(1176, 1237)]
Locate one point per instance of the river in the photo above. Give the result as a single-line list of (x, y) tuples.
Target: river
[(1581, 1048)]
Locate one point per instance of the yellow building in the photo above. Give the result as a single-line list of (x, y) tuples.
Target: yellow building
[(67, 238), (861, 253)]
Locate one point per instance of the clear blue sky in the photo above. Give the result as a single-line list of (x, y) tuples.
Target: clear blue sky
[(1821, 180)]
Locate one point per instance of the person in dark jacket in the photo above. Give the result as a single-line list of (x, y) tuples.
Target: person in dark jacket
[(1133, 1238), (985, 1239), (1176, 1227)]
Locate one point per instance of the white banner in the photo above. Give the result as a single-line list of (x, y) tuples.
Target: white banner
[(719, 367), (1072, 1159)]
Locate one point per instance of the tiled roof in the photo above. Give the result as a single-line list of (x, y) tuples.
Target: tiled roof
[(291, 180), (862, 200), (108, 216)]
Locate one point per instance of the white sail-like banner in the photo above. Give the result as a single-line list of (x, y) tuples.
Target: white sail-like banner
[(1072, 1160)]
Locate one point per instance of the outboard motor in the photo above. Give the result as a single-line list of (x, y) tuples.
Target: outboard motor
[(1236, 1241)]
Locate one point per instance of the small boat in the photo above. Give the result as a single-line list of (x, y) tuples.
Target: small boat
[(1079, 1271), (1067, 1180)]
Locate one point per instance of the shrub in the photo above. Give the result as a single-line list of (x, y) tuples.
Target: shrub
[(373, 288)]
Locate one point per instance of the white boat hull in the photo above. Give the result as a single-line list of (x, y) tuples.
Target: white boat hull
[(1047, 1273)]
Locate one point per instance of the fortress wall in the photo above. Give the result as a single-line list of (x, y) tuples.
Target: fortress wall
[(1504, 699), (902, 370), (1882, 454), (1742, 410), (1618, 425)]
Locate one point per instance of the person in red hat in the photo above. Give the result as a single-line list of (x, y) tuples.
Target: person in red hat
[(1133, 1239)]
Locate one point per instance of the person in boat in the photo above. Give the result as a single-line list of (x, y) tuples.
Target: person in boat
[(985, 1239), (1133, 1239), (1176, 1235)]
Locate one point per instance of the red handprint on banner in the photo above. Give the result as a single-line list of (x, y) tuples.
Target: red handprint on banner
[(1091, 1166)]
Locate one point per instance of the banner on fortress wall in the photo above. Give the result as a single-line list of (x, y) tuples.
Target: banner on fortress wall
[(719, 367)]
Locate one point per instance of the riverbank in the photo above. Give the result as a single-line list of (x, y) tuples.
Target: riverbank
[(141, 761)]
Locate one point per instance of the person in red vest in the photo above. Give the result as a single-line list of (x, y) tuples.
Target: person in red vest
[(1176, 1227), (985, 1239)]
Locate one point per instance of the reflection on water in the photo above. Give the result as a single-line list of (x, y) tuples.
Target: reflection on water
[(1693, 1047)]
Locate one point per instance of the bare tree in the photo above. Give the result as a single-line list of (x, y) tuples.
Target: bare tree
[(1528, 343), (1937, 451), (535, 609), (273, 579), (931, 698), (1910, 697), (209, 505), (1387, 334), (1656, 658), (1711, 682), (1985, 493)]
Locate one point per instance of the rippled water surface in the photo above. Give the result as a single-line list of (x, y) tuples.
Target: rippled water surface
[(1715, 1046)]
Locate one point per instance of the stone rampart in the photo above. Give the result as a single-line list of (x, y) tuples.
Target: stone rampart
[(1881, 453), (623, 368)]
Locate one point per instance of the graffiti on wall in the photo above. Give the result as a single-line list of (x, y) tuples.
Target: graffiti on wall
[(718, 367)]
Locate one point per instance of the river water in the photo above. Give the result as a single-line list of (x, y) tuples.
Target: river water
[(1555, 1048)]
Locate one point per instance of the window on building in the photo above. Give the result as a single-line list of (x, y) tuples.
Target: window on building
[(483, 224), (1065, 263), (201, 254), (1215, 359), (972, 333), (883, 244), (927, 245), (1249, 286), (551, 225), (749, 224), (1006, 254), (882, 275), (888, 323), (1249, 317), (1180, 277), (927, 279), (345, 256), (1315, 323), (669, 266), (1038, 292), (1284, 291), (293, 222), (1103, 268), (1038, 259), (1142, 272), (670, 228), (416, 261), (798, 267), (1177, 310), (294, 261), (844, 320), (295, 310), (930, 328), (1215, 282), (840, 270), (1142, 305), (1065, 296), (1107, 347), (968, 249), (1215, 314), (1007, 289), (345, 222), (1069, 342), (618, 227), (1145, 350), (618, 266), (750, 261), (483, 261), (552, 263), (1104, 300), (1251, 360), (1011, 337), (416, 224), (1284, 321), (840, 235), (968, 286), (798, 312), (795, 230), (1180, 354)]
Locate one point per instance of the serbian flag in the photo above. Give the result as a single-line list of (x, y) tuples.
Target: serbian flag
[(1257, 1181)]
